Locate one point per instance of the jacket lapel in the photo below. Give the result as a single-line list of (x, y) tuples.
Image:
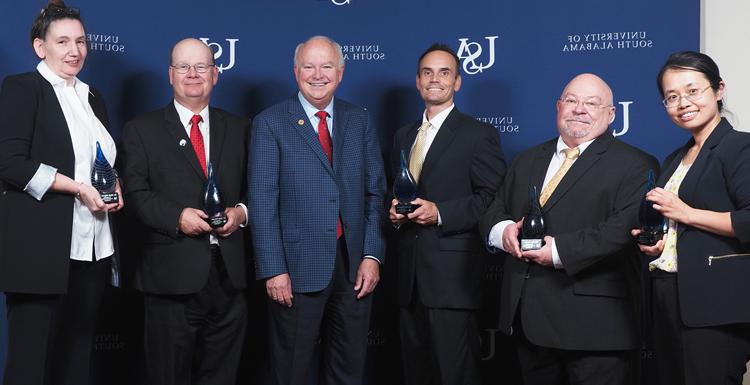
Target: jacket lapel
[(298, 119), (440, 144), (541, 163), (218, 132), (690, 183), (589, 157), (178, 133)]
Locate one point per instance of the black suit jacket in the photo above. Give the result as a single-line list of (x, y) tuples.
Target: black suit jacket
[(161, 176), (588, 305), (461, 172), (714, 292), (35, 235)]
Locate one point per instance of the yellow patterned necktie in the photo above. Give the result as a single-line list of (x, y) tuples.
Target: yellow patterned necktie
[(416, 157), (570, 155)]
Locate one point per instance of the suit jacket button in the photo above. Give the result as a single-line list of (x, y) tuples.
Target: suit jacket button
[(527, 276)]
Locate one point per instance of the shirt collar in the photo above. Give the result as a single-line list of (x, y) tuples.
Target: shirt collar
[(311, 110), (581, 147), (438, 120), (56, 80), (185, 114)]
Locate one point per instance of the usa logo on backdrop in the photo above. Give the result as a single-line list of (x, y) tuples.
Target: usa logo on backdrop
[(607, 41), (362, 52), (505, 124), (228, 61), (625, 112), (471, 54), (104, 43)]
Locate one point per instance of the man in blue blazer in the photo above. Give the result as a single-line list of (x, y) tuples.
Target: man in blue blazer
[(317, 185)]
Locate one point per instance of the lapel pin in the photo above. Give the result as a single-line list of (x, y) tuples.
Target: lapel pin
[(183, 142), (301, 122)]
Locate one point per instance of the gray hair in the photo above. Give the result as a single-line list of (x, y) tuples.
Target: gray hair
[(336, 47)]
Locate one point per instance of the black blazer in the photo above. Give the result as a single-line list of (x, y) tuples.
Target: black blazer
[(161, 176), (462, 170), (590, 304), (714, 271), (35, 235)]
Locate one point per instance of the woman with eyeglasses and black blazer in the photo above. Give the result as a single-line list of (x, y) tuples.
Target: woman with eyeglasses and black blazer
[(700, 274), (55, 234)]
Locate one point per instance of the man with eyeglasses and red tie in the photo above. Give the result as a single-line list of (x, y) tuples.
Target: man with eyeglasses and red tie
[(571, 303), (192, 275)]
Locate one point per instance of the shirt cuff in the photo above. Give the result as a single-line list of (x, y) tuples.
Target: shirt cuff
[(440, 220), (496, 234), (244, 208), (373, 258), (41, 182), (556, 256)]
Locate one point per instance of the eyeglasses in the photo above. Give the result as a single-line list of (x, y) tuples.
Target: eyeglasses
[(185, 68), (693, 95), (60, 11), (591, 104)]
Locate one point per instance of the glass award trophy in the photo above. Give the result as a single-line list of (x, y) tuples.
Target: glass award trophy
[(653, 225), (404, 188), (213, 206), (104, 177), (533, 230)]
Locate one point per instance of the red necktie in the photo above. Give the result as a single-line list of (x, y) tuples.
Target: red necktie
[(325, 142), (196, 138)]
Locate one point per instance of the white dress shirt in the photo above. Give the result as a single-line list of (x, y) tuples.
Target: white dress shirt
[(91, 233), (496, 233)]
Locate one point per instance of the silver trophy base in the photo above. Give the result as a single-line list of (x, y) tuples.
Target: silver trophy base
[(531, 244)]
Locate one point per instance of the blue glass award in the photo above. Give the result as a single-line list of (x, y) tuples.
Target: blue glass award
[(404, 188), (533, 230), (104, 177), (213, 206), (653, 225)]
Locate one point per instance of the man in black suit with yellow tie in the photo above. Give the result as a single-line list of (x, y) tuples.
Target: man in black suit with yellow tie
[(458, 164), (191, 274), (569, 303)]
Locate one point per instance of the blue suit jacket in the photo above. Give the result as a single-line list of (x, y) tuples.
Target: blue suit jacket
[(295, 196)]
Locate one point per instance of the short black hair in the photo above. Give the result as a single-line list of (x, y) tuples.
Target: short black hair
[(692, 61), (440, 47), (54, 11)]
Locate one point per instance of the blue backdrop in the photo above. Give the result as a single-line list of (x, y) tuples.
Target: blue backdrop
[(516, 57)]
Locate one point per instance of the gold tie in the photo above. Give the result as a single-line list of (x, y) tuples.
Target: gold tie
[(416, 157), (570, 155)]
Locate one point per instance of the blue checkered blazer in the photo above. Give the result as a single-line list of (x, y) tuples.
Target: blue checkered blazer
[(295, 196)]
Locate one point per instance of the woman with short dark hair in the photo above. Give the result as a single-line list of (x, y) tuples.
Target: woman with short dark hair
[(55, 234)]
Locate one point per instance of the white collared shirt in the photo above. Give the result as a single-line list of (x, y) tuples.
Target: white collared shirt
[(314, 120), (91, 233), (432, 130), (204, 126), (496, 233)]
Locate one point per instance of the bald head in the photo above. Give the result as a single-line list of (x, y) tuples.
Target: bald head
[(192, 44), (585, 109)]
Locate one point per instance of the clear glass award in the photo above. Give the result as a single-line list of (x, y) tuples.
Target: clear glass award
[(653, 225), (104, 177), (404, 188), (533, 230), (213, 205)]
